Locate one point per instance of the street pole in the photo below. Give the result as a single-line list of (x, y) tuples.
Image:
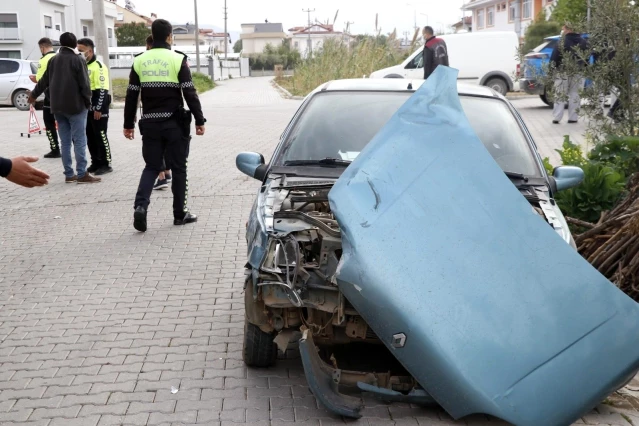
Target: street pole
[(310, 44), (589, 5), (100, 34), (197, 38), (226, 43)]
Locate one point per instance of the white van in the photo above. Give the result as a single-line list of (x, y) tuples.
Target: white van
[(488, 58)]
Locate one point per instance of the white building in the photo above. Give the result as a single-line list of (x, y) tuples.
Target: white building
[(24, 22), (305, 39), (255, 37), (505, 15)]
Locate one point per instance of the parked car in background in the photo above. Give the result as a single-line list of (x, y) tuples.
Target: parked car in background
[(498, 324), (534, 69), (487, 58), (15, 83)]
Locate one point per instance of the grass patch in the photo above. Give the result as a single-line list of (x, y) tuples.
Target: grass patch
[(337, 60), (201, 82)]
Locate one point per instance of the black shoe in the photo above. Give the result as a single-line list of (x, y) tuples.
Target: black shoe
[(188, 218), (53, 154), (139, 219), (555, 122), (103, 170), (92, 169), (572, 121)]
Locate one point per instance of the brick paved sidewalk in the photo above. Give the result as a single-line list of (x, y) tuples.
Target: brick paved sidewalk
[(102, 325)]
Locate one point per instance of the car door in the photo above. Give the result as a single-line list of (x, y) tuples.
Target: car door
[(9, 76), (415, 68)]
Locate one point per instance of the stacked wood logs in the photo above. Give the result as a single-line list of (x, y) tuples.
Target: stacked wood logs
[(612, 244)]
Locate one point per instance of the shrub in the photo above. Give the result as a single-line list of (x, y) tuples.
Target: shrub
[(620, 152)]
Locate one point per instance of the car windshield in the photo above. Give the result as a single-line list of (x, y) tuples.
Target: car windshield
[(339, 125)]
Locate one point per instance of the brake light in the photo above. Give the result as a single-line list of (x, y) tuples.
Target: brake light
[(518, 69)]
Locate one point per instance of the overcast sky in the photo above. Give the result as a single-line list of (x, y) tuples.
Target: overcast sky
[(392, 14)]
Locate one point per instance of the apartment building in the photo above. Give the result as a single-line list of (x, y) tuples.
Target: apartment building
[(24, 22), (505, 15)]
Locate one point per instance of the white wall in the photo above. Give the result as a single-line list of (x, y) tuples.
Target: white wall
[(317, 41)]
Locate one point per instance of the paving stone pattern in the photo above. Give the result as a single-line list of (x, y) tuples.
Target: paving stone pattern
[(98, 323)]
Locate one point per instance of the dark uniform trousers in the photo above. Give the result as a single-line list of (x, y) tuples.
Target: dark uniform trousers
[(49, 125), (164, 140), (98, 141)]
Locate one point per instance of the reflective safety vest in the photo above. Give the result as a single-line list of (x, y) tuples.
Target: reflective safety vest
[(98, 76), (158, 65), (43, 63)]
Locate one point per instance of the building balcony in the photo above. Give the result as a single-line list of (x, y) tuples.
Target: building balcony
[(10, 35), (52, 33)]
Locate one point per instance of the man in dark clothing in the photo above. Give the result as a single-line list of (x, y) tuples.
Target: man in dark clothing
[(568, 82), (67, 79), (20, 172), (46, 48), (435, 52), (98, 118), (163, 77)]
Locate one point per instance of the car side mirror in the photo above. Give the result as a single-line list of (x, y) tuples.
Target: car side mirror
[(251, 164), (567, 177)]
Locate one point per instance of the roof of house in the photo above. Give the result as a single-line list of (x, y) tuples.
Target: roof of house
[(267, 27), (468, 20), (315, 28)]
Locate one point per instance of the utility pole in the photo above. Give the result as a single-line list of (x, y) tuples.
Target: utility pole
[(197, 38), (100, 33), (310, 44), (226, 43)]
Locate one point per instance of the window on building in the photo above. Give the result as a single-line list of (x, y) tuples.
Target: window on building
[(9, 67), (58, 27), (110, 32), (513, 9), (48, 22), (85, 31), (526, 9), (120, 16), (490, 16), (481, 18), (297, 44), (8, 20)]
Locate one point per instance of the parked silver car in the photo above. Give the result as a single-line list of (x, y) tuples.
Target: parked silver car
[(15, 83)]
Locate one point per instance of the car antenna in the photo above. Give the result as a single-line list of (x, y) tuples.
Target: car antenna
[(410, 86)]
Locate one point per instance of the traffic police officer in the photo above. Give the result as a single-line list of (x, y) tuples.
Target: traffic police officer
[(98, 118), (46, 48), (163, 77)]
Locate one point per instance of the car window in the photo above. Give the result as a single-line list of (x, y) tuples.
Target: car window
[(34, 68), (416, 62), (550, 44), (9, 67), (340, 124)]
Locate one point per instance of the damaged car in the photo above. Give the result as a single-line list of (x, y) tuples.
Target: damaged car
[(405, 237)]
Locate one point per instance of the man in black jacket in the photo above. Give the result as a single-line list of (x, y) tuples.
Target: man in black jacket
[(435, 52), (163, 78), (20, 172), (67, 79), (568, 82)]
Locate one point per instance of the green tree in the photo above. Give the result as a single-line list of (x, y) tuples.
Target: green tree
[(237, 47), (573, 11), (539, 30), (133, 34)]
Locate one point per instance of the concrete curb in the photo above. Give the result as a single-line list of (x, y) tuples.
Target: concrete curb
[(285, 93)]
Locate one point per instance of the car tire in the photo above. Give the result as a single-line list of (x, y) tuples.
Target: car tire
[(259, 349), (544, 99), (498, 85), (393, 76), (20, 100)]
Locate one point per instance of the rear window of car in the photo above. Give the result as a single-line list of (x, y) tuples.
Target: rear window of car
[(550, 44), (340, 124), (34, 68), (8, 67)]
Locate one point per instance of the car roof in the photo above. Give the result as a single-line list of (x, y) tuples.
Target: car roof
[(557, 37), (396, 85)]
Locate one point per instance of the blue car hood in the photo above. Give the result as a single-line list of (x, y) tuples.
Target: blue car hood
[(480, 300)]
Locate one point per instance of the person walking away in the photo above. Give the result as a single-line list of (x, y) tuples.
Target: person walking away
[(98, 116), (68, 81), (46, 48), (435, 52), (568, 82), (20, 172), (163, 78)]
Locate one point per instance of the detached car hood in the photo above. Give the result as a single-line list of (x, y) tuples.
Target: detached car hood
[(480, 300)]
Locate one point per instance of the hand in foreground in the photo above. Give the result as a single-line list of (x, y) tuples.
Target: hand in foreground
[(199, 130), (97, 115), (33, 78), (31, 99), (22, 173), (129, 133)]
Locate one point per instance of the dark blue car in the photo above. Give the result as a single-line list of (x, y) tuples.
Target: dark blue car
[(534, 68)]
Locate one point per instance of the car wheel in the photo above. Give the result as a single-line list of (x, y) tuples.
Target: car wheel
[(393, 76), (498, 85), (544, 99), (259, 349), (20, 100)]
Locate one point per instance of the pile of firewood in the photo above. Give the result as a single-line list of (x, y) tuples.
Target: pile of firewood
[(612, 244)]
